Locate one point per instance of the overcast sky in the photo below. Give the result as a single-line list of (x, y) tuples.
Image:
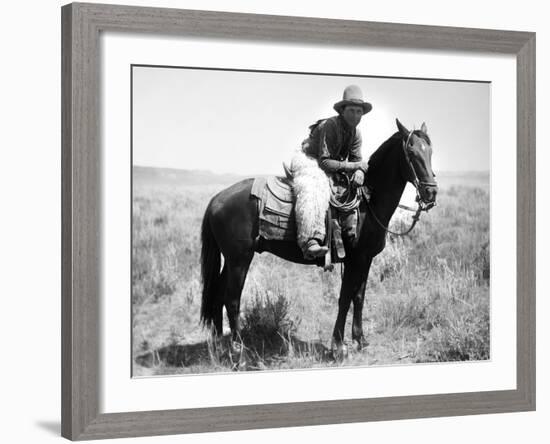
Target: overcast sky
[(250, 122)]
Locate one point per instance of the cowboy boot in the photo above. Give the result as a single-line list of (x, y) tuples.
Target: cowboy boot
[(314, 250)]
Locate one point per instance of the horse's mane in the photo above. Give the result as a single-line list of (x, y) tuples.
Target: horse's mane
[(378, 156)]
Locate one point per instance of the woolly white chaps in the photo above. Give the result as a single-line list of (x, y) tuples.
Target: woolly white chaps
[(312, 190)]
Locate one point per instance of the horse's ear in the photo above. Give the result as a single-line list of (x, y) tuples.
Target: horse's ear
[(404, 131), (424, 128)]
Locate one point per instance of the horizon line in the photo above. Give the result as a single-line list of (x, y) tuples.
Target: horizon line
[(439, 172)]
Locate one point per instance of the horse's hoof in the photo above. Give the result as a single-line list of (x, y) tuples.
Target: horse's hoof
[(339, 351), (237, 356), (237, 347), (215, 344), (238, 366), (359, 344)]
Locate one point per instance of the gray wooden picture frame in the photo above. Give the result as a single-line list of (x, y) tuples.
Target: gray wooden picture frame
[(81, 175)]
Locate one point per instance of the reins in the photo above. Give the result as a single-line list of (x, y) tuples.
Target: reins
[(415, 219)]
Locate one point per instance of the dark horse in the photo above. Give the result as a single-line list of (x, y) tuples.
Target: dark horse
[(230, 228)]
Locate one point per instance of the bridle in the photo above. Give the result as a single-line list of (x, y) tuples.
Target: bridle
[(426, 206), (422, 205)]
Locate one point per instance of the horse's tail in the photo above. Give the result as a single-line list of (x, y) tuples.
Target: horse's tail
[(210, 273)]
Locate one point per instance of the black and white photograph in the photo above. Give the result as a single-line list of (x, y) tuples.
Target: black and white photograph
[(270, 222), (285, 220)]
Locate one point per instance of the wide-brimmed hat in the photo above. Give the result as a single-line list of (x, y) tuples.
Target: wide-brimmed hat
[(353, 96)]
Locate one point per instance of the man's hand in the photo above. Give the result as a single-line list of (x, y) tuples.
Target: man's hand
[(351, 167), (358, 178)]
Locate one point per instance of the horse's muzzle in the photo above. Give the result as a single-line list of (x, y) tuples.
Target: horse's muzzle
[(429, 194)]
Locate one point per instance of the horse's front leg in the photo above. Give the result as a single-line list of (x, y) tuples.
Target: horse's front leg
[(353, 288), (358, 302)]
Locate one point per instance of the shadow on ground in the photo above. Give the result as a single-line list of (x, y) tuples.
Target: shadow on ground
[(257, 356)]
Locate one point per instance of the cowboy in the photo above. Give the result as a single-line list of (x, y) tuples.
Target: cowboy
[(333, 146)]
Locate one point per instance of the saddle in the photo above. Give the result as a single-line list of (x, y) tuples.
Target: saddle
[(276, 207), (277, 220)]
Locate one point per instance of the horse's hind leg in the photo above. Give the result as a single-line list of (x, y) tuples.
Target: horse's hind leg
[(235, 276)]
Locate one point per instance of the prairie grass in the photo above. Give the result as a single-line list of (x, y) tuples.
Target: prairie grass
[(427, 296)]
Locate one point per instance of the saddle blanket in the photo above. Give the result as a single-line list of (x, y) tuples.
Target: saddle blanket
[(276, 208)]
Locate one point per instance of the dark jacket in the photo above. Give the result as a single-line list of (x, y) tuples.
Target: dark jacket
[(335, 145)]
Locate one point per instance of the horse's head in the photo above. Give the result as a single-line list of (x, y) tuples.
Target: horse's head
[(417, 165)]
